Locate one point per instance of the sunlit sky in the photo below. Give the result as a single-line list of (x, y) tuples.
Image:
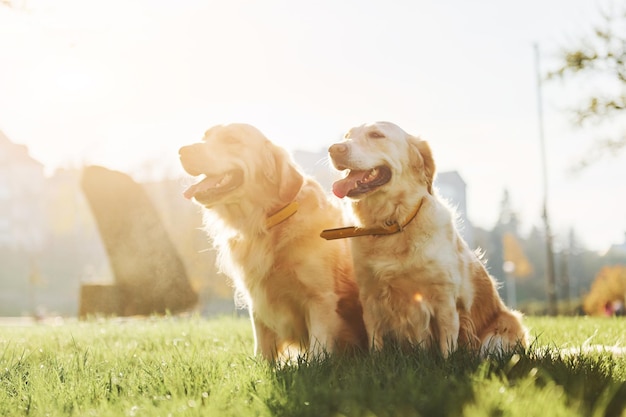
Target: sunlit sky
[(125, 83)]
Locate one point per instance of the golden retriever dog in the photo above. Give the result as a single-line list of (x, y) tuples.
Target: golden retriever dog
[(418, 280), (263, 217)]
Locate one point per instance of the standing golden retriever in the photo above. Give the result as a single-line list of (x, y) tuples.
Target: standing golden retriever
[(419, 282), (264, 217)]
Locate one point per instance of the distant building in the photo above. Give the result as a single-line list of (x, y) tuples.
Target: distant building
[(450, 185), (618, 249), (453, 189), (22, 186)]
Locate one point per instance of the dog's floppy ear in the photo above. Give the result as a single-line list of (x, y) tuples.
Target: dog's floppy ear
[(280, 170), (422, 160)]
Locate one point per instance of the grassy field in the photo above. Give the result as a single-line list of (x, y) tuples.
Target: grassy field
[(199, 367)]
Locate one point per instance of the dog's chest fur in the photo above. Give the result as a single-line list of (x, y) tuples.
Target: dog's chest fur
[(421, 259)]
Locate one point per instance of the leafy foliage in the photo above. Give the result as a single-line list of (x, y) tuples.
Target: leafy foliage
[(602, 54), (608, 286)]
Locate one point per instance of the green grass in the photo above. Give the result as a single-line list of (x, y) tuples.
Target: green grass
[(198, 367)]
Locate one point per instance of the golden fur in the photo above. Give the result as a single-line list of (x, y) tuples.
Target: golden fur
[(422, 284), (299, 289)]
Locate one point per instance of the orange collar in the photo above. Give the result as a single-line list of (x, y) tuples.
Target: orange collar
[(282, 214), (353, 231)]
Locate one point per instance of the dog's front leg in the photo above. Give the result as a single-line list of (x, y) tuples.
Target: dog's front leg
[(323, 327), (265, 340), (372, 327), (448, 325)]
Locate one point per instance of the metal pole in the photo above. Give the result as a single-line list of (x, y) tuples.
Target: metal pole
[(550, 270)]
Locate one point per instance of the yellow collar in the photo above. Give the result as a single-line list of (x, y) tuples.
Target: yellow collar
[(353, 231), (282, 214)]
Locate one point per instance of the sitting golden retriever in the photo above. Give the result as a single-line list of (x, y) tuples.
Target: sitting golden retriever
[(418, 280), (264, 217)]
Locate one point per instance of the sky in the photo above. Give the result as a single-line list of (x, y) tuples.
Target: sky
[(124, 84)]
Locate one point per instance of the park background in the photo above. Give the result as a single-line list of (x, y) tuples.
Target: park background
[(124, 85), (50, 244)]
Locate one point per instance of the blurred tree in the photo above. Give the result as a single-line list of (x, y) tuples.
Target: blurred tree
[(515, 266), (507, 260), (570, 269), (534, 247), (514, 253), (507, 223), (602, 56), (609, 286), (507, 219)]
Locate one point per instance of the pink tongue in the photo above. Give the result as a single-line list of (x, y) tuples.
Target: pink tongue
[(203, 185), (189, 192), (342, 187)]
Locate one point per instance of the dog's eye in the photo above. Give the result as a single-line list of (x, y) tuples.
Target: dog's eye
[(375, 134)]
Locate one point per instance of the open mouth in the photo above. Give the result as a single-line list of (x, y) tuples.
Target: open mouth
[(213, 186), (359, 182)]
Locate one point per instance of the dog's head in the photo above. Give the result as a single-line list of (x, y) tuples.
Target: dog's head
[(381, 156), (237, 162)]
